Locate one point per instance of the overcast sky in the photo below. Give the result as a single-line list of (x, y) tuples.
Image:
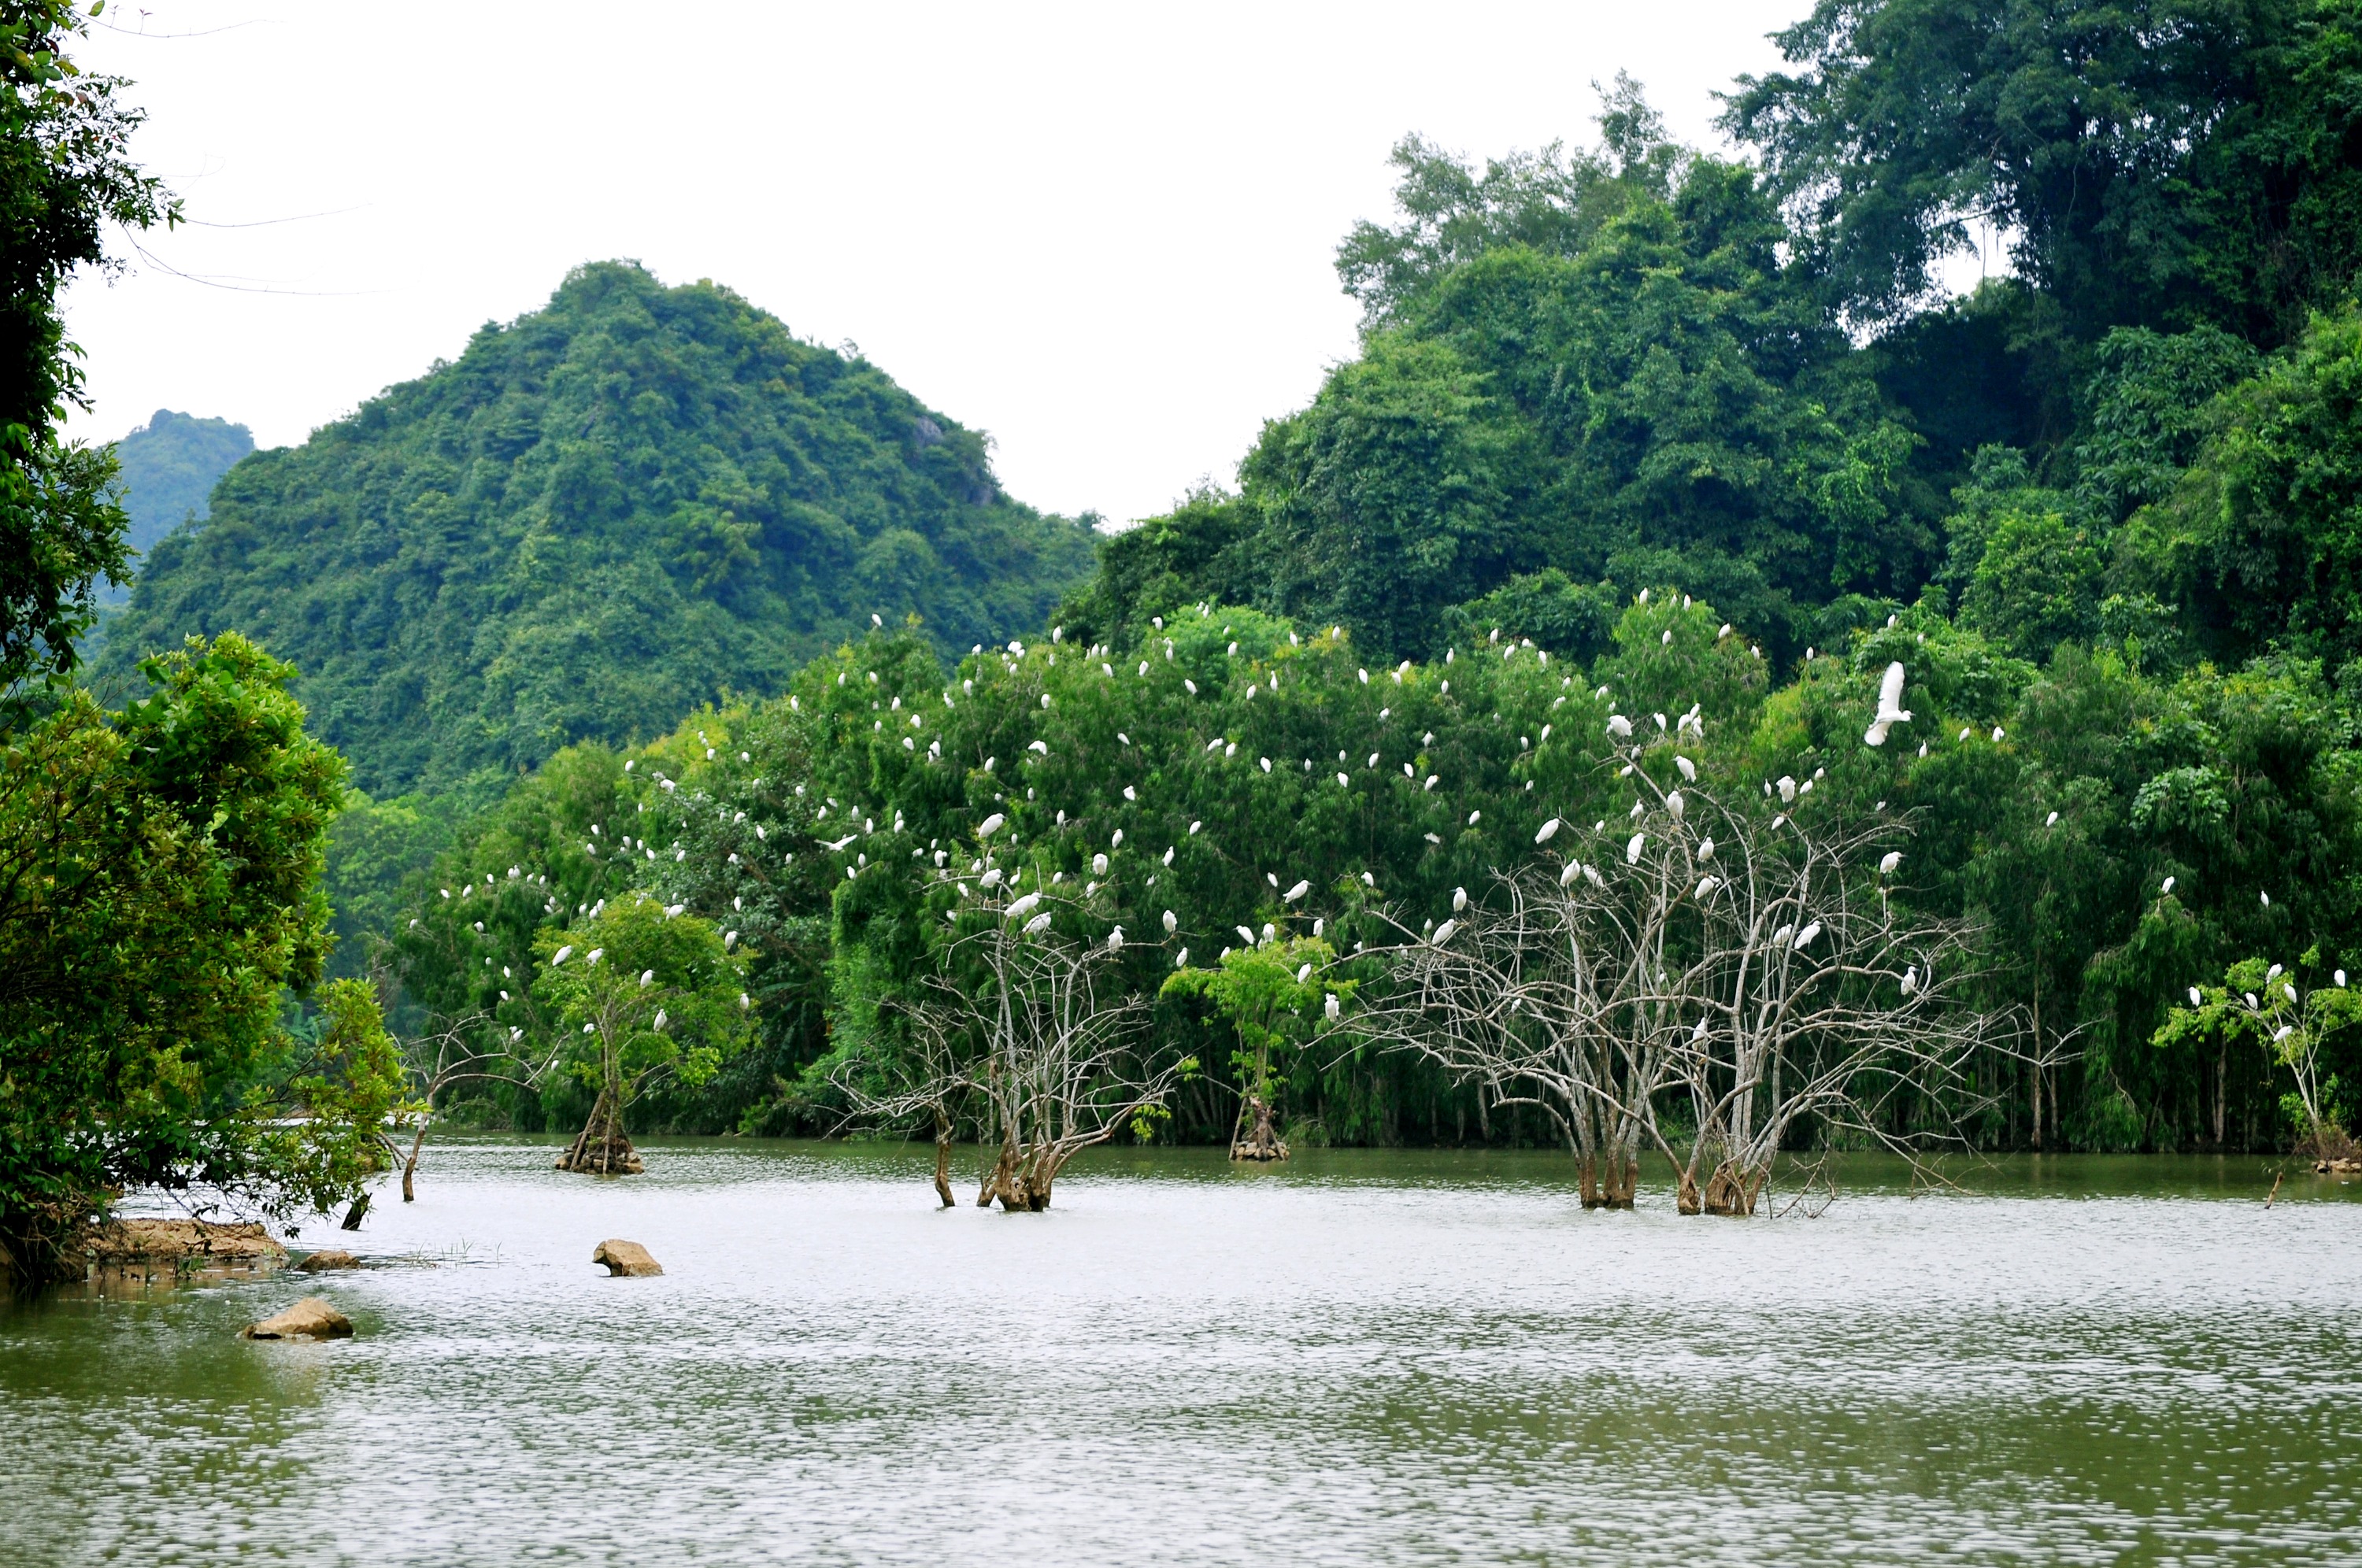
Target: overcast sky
[(1100, 233)]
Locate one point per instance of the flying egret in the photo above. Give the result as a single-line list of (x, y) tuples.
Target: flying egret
[(1891, 711)]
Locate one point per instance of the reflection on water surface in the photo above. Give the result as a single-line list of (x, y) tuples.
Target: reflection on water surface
[(1360, 1358)]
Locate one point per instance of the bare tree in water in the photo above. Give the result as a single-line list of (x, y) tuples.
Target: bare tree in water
[(1023, 1022), (477, 1048), (1704, 976)]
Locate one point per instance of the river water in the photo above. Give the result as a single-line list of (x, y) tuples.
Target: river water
[(1360, 1358)]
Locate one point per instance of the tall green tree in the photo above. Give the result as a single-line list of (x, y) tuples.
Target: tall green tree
[(65, 175), (158, 896)]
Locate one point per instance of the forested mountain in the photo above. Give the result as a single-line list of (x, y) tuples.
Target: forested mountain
[(169, 466), (602, 513)]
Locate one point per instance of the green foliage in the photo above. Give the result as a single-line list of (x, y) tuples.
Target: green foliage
[(165, 861), (650, 994), (169, 466), (604, 514), (1275, 994), (64, 178), (2162, 165)]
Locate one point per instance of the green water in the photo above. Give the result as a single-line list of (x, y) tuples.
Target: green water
[(1362, 1357)]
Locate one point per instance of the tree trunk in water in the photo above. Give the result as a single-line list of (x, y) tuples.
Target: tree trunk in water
[(1731, 1189), (602, 1149), (353, 1215), (944, 1159), (1687, 1201), (1623, 1179), (1587, 1173), (410, 1165), (1261, 1142)]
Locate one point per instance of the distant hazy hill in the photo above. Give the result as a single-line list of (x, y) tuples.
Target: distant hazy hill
[(170, 465), (602, 514)]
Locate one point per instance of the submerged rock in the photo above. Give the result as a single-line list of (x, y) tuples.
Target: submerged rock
[(310, 1319), (327, 1258), (626, 1258), (125, 1244)]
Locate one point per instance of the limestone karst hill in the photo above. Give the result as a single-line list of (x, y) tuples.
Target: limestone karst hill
[(602, 515)]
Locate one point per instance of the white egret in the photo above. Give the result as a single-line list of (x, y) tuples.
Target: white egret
[(1997, 733), (1099, 865), (2340, 979), (1115, 940), (1296, 892), (1194, 827), (1891, 711), (1473, 816), (1172, 922), (1705, 849), (990, 825), (560, 956), (1806, 935), (1303, 974), (1038, 924), (1689, 769), (2169, 886), (1020, 908), (1619, 727), (1181, 959), (1787, 788), (2051, 821), (1168, 854), (1329, 1006), (1699, 1033), (1677, 805), (1707, 885), (647, 978), (1246, 933), (1443, 933), (1633, 849), (1911, 980), (1886, 865), (1547, 831)]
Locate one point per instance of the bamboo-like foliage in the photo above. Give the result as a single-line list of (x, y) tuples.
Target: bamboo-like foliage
[(1728, 974)]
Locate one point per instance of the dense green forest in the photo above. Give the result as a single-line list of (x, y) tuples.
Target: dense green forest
[(168, 467), (605, 512), (2100, 509)]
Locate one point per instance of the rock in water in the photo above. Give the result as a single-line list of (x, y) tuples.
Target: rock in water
[(310, 1319), (626, 1258), (327, 1258), (127, 1243)]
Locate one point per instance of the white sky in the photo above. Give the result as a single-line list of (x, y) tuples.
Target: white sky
[(1100, 233)]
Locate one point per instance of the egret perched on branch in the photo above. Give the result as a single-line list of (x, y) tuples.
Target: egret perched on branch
[(1296, 892), (1632, 850), (1459, 900), (1891, 711), (1038, 924), (1246, 934), (1547, 831), (1886, 866), (1330, 1007), (1443, 933), (1689, 769), (1019, 908), (1787, 786), (1115, 940), (1619, 727), (1172, 922), (1806, 936), (1573, 869)]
